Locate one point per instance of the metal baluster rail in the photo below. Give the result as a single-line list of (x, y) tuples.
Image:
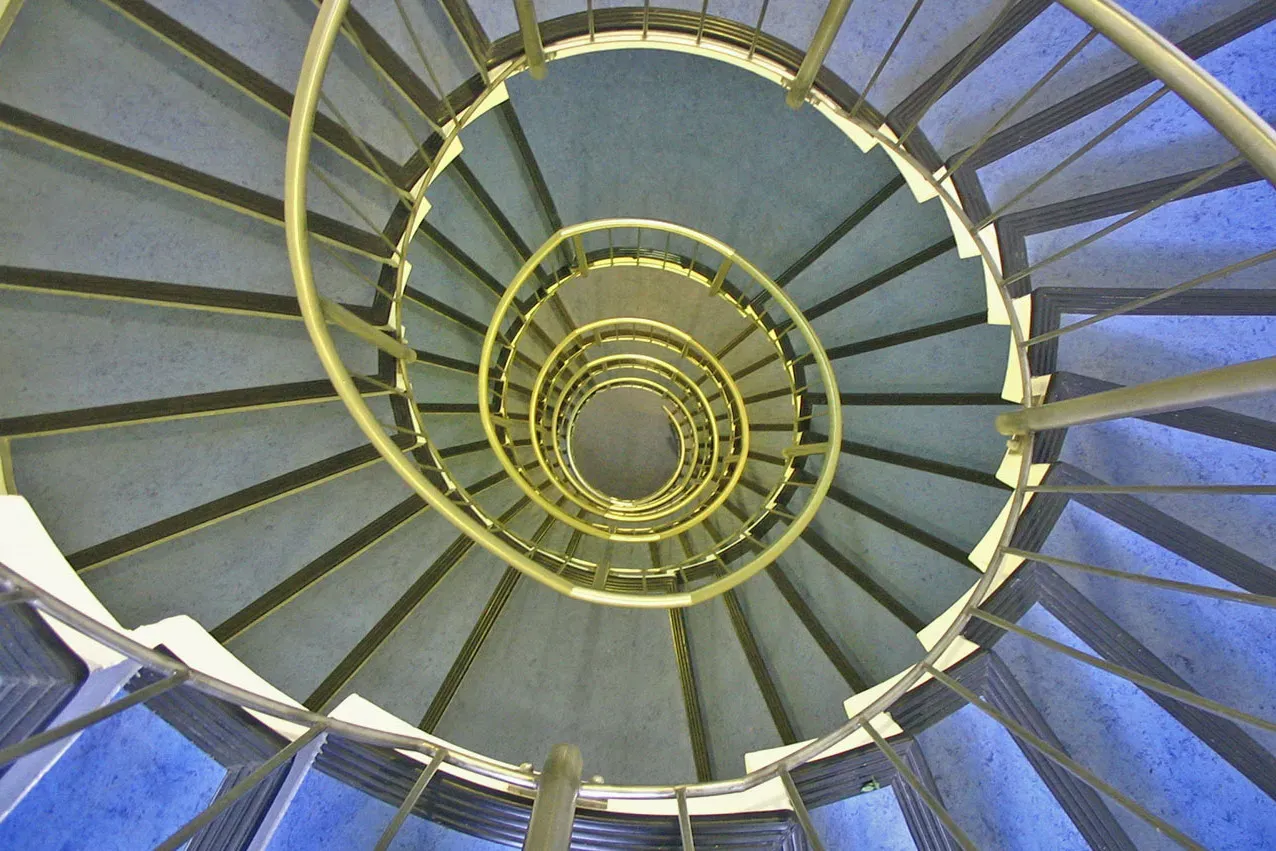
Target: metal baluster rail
[(512, 342), (1181, 78)]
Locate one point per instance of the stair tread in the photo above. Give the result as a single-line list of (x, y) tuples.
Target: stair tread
[(111, 352), (1132, 349), (756, 129), (1168, 138), (568, 670), (297, 646), (212, 572), (129, 780), (1222, 656), (1114, 729), (990, 789), (89, 487)]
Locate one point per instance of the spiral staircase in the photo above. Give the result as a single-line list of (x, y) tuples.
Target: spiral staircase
[(842, 425)]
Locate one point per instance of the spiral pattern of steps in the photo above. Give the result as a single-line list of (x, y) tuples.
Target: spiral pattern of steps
[(650, 415)]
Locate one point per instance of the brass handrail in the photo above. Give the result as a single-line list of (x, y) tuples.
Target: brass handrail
[(311, 78), (496, 341), (1219, 107)]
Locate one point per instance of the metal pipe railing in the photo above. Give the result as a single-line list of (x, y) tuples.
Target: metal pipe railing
[(554, 811), (531, 32), (821, 43), (1168, 394)]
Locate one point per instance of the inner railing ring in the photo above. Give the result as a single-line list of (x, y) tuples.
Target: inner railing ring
[(727, 504), (555, 401)]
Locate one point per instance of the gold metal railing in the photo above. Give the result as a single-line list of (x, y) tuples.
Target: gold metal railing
[(715, 39), (532, 423)]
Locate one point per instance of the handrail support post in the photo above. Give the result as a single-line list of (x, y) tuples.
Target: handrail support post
[(554, 811), (821, 43), (533, 49), (1167, 394)]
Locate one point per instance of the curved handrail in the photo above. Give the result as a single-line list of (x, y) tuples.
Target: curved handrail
[(307, 97), (1235, 121), (791, 312)]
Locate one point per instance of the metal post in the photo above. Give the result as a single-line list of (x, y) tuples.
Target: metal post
[(531, 31), (8, 12), (1169, 394), (821, 42), (555, 808), (338, 315), (684, 817)]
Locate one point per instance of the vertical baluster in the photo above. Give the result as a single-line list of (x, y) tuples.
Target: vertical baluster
[(531, 31), (554, 811), (799, 810), (414, 795)]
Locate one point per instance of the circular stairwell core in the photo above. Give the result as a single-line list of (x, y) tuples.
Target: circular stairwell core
[(624, 443)]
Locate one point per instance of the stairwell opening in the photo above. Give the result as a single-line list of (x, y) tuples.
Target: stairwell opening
[(625, 443)]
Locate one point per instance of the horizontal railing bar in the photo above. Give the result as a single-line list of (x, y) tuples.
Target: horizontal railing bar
[(1064, 761), (34, 743), (1191, 698), (1152, 581), (1212, 490), (1167, 394)]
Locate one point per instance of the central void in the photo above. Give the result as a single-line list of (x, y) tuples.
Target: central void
[(624, 443)]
